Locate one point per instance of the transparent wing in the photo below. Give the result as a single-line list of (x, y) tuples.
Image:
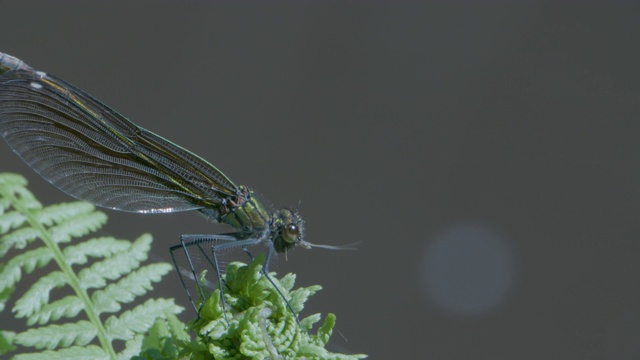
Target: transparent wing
[(91, 152)]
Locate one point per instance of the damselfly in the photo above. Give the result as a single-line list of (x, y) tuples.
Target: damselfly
[(91, 152)]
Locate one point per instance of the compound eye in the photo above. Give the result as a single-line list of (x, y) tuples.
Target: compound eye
[(291, 231)]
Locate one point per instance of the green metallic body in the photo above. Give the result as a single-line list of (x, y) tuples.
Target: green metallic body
[(249, 215)]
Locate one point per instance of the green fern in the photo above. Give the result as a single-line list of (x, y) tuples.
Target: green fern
[(260, 326), (103, 273)]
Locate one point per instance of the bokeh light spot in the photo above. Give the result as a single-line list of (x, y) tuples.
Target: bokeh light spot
[(467, 269)]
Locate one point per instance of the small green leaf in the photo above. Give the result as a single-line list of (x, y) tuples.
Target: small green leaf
[(101, 247), (24, 197), (38, 295), (325, 331), (49, 337), (6, 340), (4, 205), (159, 344), (288, 281), (59, 213), (307, 323), (156, 333), (68, 307), (73, 353), (9, 276), (17, 239), (300, 296), (10, 180), (135, 284), (113, 267), (139, 319), (177, 328), (32, 259), (132, 347), (11, 220), (77, 226)]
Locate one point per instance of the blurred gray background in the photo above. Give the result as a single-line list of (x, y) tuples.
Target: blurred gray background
[(485, 154)]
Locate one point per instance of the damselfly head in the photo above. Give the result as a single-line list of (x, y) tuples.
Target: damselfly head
[(288, 230)]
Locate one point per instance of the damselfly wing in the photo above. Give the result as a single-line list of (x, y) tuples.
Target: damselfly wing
[(91, 152)]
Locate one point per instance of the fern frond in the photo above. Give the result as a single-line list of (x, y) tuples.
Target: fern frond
[(138, 319), (114, 267), (94, 248), (135, 284), (260, 325), (103, 273)]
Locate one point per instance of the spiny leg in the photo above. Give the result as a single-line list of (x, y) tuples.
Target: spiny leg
[(184, 285), (265, 272), (214, 250), (194, 240), (230, 240)]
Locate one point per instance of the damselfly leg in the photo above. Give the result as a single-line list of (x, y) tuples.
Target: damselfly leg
[(206, 249)]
